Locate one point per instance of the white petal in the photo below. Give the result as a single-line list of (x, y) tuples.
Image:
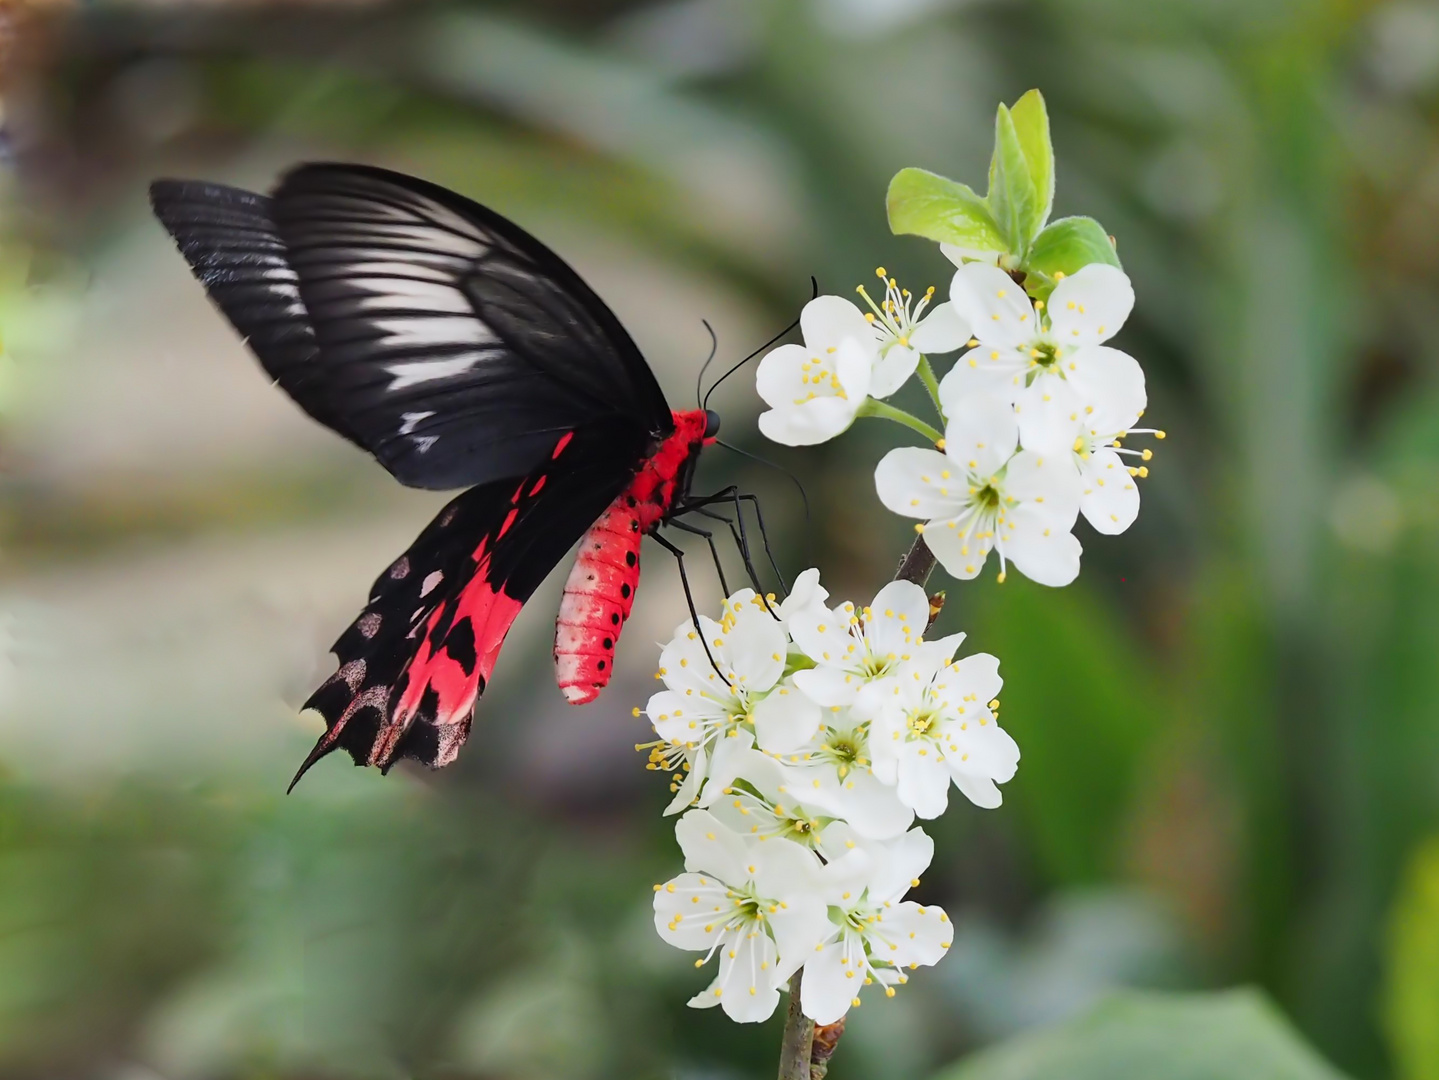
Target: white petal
[(676, 717), (1051, 417), (823, 635), (854, 365), (982, 434), (827, 686), (873, 809), (777, 379), (711, 847), (754, 647), (813, 422), (904, 859), (786, 870), (805, 592), (689, 788), (798, 929), (785, 720), (896, 618), (976, 677), (746, 977), (733, 757), (684, 664), (828, 320), (1108, 495), (923, 779), (698, 925), (910, 481), (987, 755), (1109, 380), (1043, 551), (920, 938), (942, 330), (961, 554), (1090, 306), (829, 985), (988, 371), (997, 310), (892, 370), (1046, 483)]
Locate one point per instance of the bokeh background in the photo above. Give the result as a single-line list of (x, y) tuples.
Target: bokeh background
[(1230, 723)]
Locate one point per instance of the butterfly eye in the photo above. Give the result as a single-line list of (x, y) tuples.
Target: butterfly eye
[(712, 422)]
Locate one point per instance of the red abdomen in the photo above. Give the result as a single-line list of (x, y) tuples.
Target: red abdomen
[(601, 587)]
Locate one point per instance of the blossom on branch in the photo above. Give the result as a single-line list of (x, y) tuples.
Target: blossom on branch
[(981, 495), (875, 936), (716, 688), (757, 906), (1028, 353), (815, 390)]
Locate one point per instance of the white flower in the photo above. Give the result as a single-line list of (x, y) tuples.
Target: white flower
[(1026, 353), (814, 390), (904, 332), (874, 934), (850, 650), (931, 727), (980, 495), (751, 793), (757, 905), (1091, 436), (741, 691), (834, 773)]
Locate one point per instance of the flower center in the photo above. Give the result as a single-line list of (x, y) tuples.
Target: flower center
[(845, 750), (922, 719), (986, 498)]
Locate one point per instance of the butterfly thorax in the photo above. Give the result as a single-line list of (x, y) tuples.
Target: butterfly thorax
[(666, 473)]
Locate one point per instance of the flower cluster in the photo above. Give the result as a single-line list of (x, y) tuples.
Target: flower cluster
[(803, 740), (1035, 412)]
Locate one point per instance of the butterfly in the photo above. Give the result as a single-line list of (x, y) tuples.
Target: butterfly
[(460, 352)]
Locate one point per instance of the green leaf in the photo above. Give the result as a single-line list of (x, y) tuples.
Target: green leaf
[(1064, 247), (1013, 200), (923, 203), (1143, 1036), (1412, 994), (1031, 124)]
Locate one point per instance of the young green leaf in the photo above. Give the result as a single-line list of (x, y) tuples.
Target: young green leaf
[(1031, 124), (1062, 248), (1012, 198), (925, 204)]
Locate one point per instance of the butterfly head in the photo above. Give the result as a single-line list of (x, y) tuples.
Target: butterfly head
[(712, 426)]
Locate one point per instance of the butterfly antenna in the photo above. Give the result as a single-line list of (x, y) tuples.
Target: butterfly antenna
[(714, 348), (814, 291)]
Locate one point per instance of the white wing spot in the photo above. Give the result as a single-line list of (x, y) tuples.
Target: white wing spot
[(439, 330), (432, 579), (411, 419), (424, 442), (418, 371)]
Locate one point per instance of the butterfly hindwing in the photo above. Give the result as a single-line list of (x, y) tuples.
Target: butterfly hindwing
[(436, 334), (415, 661)]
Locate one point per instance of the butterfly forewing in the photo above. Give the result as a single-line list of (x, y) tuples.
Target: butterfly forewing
[(444, 339)]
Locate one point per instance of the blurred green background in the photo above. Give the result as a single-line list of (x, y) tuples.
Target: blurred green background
[(1230, 724)]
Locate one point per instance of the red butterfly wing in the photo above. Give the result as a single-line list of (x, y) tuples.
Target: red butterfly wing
[(419, 656)]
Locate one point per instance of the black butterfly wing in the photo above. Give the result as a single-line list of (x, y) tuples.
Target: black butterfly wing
[(416, 660), (422, 326)]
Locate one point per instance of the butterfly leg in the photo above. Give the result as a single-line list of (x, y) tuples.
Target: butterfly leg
[(690, 600), (710, 540), (732, 496)]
